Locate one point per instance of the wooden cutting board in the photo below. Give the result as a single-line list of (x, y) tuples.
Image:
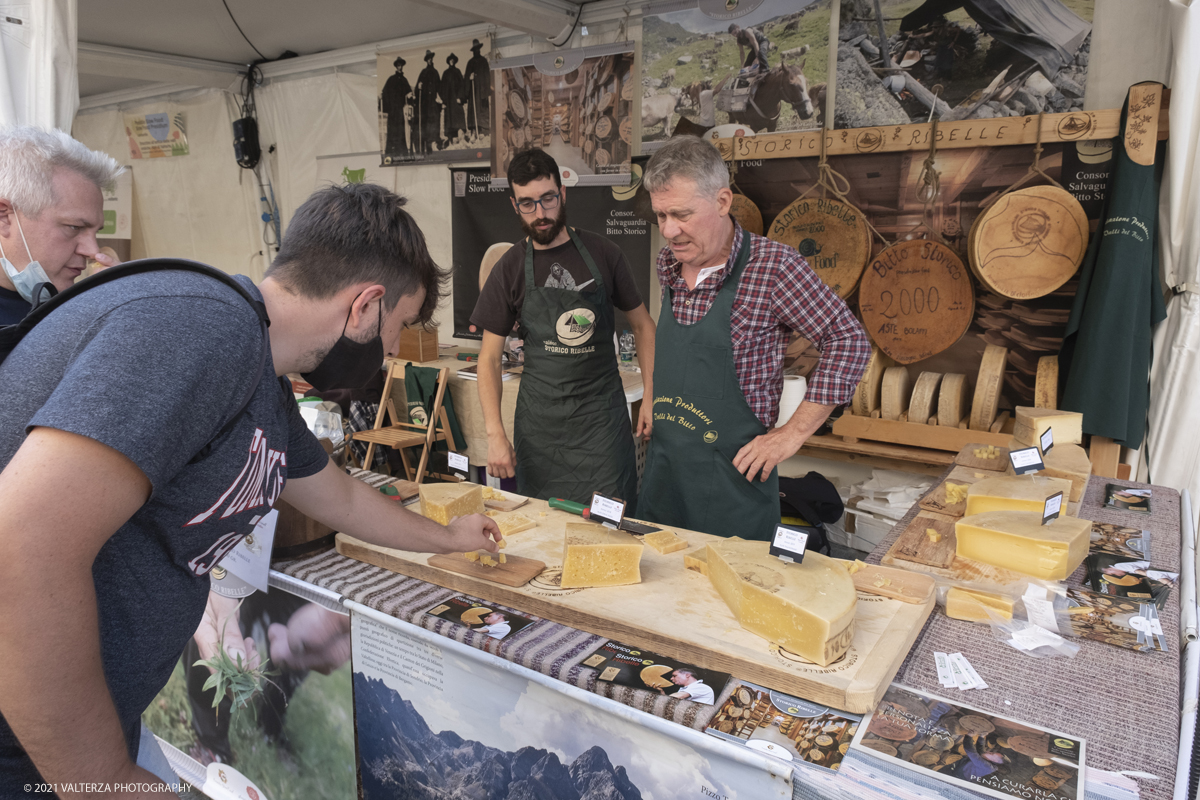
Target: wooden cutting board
[(915, 546), (677, 612), (1029, 242), (916, 300), (831, 235), (967, 458), (936, 500), (515, 571)]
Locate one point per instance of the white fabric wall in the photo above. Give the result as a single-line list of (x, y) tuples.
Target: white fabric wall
[(39, 77), (201, 206), (1173, 441)]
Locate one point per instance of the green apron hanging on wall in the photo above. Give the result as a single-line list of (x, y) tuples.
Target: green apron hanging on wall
[(572, 429), (701, 420), (1105, 357)]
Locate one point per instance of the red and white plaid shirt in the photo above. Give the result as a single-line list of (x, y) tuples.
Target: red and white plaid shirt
[(778, 293)]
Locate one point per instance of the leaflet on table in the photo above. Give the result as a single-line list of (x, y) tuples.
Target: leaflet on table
[(1121, 541), (1127, 498), (630, 666), (785, 726), (1129, 623), (495, 620), (471, 373), (972, 748), (1121, 576)]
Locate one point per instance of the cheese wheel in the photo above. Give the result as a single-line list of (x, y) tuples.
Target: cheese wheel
[(490, 257), (897, 388), (1045, 390), (1030, 242), (747, 214), (831, 235), (953, 399), (654, 676), (866, 396), (474, 616), (924, 397), (987, 387)]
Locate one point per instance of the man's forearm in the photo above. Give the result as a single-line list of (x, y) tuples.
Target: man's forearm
[(806, 419), (491, 384)]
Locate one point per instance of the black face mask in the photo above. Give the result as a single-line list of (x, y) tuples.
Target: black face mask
[(349, 364)]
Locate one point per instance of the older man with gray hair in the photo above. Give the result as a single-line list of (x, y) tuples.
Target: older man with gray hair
[(731, 300), (51, 208)]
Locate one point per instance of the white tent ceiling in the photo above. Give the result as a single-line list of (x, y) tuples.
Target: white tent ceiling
[(200, 43)]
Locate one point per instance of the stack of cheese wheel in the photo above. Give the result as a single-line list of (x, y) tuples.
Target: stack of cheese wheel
[(953, 400), (894, 394), (866, 396), (1045, 390), (988, 386), (923, 406), (831, 235), (916, 300), (747, 214), (1029, 242)]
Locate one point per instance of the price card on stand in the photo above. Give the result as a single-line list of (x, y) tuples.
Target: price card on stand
[(608, 511), (1047, 440), (1052, 508), (459, 464), (1026, 460), (790, 542)]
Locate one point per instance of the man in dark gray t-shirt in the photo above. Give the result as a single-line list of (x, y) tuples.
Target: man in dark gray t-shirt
[(113, 515)]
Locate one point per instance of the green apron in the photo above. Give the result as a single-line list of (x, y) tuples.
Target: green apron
[(572, 429), (701, 420)]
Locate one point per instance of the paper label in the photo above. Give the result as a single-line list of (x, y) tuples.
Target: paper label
[(251, 559), (943, 670), (1032, 638), (606, 510), (1026, 460), (789, 543), (1052, 508), (1047, 440), (1041, 613), (458, 462), (223, 781), (973, 675), (961, 678)]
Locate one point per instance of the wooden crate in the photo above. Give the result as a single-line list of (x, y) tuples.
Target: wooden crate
[(418, 345)]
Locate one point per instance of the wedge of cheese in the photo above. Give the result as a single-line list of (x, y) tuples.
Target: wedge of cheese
[(655, 676), (970, 605), (1069, 462), (474, 616), (596, 556), (442, 502), (1030, 423), (665, 542), (697, 560), (1017, 540), (806, 608), (1014, 493), (514, 523)]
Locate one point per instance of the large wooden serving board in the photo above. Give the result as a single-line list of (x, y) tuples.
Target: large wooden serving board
[(677, 612)]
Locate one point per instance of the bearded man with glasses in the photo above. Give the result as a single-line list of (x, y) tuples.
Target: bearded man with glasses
[(572, 430)]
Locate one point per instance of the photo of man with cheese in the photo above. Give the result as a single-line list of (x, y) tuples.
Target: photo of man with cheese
[(692, 689)]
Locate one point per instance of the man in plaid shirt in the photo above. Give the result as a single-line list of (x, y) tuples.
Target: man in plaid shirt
[(730, 301)]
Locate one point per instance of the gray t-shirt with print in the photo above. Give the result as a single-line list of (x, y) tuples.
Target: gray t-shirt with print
[(154, 365)]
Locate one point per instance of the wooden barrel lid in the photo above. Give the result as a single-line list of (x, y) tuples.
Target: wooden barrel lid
[(916, 300), (866, 396), (1045, 391), (894, 394), (923, 404), (517, 103), (988, 386), (1030, 242), (604, 127), (627, 89), (606, 100), (602, 157), (490, 257), (626, 128), (831, 235), (588, 146), (747, 214), (953, 402)]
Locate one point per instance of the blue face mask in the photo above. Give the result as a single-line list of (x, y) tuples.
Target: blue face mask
[(27, 281)]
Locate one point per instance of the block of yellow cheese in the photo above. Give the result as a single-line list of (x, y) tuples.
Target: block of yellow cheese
[(970, 605), (1069, 462), (1030, 423), (697, 560), (1014, 493), (664, 541), (596, 556), (1017, 540), (442, 502), (514, 523), (806, 608)]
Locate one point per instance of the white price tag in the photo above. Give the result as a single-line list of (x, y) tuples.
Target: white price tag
[(1047, 440), (1026, 460), (1052, 508), (251, 559), (961, 677), (945, 678), (458, 462), (789, 543), (606, 509)]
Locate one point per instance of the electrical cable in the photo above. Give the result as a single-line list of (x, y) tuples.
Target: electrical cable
[(570, 33), (242, 32)]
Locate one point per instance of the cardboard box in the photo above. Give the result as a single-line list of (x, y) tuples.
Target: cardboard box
[(418, 345)]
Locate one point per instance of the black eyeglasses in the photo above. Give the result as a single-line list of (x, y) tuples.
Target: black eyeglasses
[(548, 202)]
